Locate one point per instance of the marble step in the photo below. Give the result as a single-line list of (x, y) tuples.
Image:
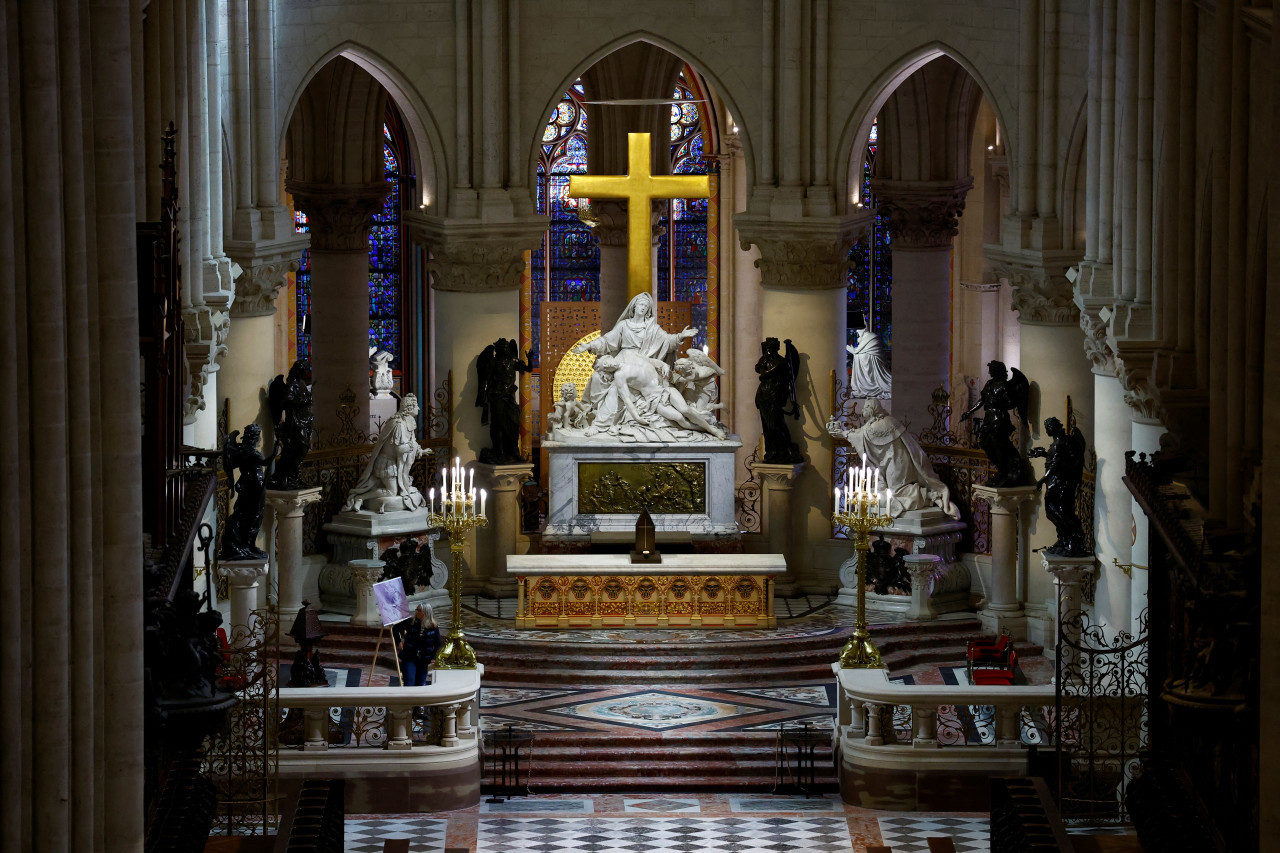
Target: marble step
[(606, 784)]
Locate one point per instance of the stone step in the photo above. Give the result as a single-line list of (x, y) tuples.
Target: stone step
[(607, 784)]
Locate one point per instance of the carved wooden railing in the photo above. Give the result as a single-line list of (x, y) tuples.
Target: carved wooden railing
[(376, 726)]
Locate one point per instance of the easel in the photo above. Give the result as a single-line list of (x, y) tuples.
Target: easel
[(395, 654)]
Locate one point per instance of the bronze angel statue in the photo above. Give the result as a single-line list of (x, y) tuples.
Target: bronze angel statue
[(776, 399), (996, 431), (290, 403), (240, 532), (1063, 471), (496, 369)]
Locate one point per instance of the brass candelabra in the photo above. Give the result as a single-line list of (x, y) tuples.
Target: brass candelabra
[(864, 508), (458, 512)]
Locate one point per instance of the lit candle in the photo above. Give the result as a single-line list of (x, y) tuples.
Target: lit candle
[(431, 501), (837, 498), (888, 501), (849, 488), (877, 480), (482, 497)]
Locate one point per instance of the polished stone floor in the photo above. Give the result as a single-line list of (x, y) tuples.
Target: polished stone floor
[(635, 823)]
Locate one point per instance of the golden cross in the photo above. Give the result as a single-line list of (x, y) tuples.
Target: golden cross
[(639, 188)]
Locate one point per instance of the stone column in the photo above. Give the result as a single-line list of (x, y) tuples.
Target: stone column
[(1146, 432), (290, 507), (1069, 575), (339, 216), (922, 221), (776, 518), (502, 537), (1008, 539), (364, 574), (802, 274), (475, 273), (923, 568), (249, 365), (242, 578)]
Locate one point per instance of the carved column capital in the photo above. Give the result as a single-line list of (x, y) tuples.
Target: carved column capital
[(1042, 292), (800, 255), (205, 329), (922, 215), (1096, 347), (292, 503), (259, 285), (608, 221), (476, 257), (338, 213), (243, 574)]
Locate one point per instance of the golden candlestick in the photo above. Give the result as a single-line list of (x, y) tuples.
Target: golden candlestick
[(861, 514), (639, 187), (458, 517)]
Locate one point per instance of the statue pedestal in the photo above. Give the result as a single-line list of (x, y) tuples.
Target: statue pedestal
[(339, 592), (242, 583), (924, 569), (1069, 575), (776, 518), (289, 507), (364, 574), (501, 537), (920, 531), (594, 488), (1008, 537)]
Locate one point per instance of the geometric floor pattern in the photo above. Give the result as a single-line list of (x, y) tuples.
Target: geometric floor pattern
[(659, 834), (426, 835), (910, 834)]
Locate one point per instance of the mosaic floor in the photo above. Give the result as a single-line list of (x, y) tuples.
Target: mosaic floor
[(614, 709), (638, 824)]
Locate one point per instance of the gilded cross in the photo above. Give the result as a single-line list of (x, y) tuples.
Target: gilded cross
[(639, 188)]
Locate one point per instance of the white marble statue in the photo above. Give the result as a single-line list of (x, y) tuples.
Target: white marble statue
[(383, 379), (695, 376), (883, 442), (569, 412), (635, 392), (869, 377), (386, 484)]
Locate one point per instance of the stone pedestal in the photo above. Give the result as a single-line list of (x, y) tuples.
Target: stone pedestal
[(711, 517), (777, 519), (501, 537), (1069, 575), (923, 568), (1004, 609), (242, 584), (290, 506), (364, 574), (338, 590), (919, 532)]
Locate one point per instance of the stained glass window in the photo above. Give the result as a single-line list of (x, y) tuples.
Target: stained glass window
[(386, 266), (870, 277), (682, 248), (566, 268)]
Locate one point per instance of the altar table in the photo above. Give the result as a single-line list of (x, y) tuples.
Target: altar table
[(609, 591)]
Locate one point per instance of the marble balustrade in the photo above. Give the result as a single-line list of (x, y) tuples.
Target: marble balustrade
[(1004, 718), (384, 733)]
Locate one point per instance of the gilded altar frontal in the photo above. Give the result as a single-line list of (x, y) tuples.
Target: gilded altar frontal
[(628, 487)]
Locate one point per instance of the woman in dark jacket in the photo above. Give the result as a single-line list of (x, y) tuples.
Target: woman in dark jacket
[(419, 645)]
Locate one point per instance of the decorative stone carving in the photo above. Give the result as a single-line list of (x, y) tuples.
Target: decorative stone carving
[(258, 286), (476, 257), (1040, 296), (608, 221), (801, 255), (383, 379), (205, 329), (921, 214), (1096, 347), (338, 213)]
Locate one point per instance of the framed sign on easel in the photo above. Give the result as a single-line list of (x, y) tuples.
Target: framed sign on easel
[(393, 608)]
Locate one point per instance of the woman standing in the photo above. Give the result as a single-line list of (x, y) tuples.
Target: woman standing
[(419, 645)]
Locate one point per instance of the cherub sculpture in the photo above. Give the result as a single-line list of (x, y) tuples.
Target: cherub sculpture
[(497, 368), (290, 403), (1063, 471), (695, 375), (569, 413), (776, 399), (996, 431), (240, 533)]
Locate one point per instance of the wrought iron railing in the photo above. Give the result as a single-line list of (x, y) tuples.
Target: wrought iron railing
[(746, 498)]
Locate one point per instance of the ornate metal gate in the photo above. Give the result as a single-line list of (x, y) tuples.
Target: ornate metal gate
[(1100, 721)]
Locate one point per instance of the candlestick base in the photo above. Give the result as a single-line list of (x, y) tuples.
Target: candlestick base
[(859, 652), (456, 653)]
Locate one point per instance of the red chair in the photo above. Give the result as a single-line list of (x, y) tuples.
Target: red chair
[(990, 651), (995, 675)]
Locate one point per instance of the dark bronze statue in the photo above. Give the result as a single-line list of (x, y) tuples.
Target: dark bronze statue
[(497, 369), (181, 647), (1063, 471), (996, 431), (307, 671), (241, 531), (886, 568), (776, 398), (407, 561), (290, 403)]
